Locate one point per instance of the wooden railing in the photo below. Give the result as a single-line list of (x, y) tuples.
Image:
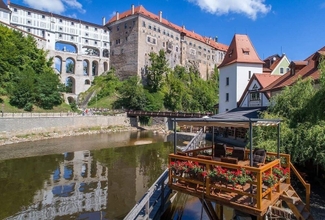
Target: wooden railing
[(256, 183), (132, 113), (152, 203), (306, 185)]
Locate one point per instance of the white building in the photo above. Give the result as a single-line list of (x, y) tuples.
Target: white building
[(240, 63), (87, 53)]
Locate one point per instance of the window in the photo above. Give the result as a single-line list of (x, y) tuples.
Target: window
[(60, 21), (43, 16), (71, 37), (143, 24), (29, 13), (281, 70), (86, 41), (255, 96), (154, 28), (164, 44), (60, 28), (29, 21), (126, 38), (125, 26), (118, 28), (149, 26), (288, 69), (158, 30), (105, 44), (95, 42), (249, 74), (227, 81), (227, 97), (72, 23), (28, 29), (86, 27), (15, 10), (118, 41), (95, 29), (86, 34), (60, 35)]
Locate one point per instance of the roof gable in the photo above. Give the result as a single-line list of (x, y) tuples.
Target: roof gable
[(306, 68), (241, 50)]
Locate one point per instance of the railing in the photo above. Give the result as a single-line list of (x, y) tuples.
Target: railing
[(152, 203), (195, 142), (167, 114), (260, 190), (38, 115), (306, 185)]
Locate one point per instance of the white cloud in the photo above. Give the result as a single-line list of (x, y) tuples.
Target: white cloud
[(55, 6), (248, 7)]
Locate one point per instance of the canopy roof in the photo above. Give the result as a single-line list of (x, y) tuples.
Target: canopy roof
[(238, 117)]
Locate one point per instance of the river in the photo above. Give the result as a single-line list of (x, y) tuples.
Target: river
[(98, 176), (85, 177)]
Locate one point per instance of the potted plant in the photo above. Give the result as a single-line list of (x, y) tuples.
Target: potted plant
[(269, 179), (280, 172), (217, 174), (194, 170), (242, 177), (178, 167)]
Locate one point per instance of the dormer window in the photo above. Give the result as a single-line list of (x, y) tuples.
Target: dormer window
[(230, 53), (245, 51)]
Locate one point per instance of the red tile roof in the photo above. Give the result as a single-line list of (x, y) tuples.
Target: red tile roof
[(306, 68), (141, 10), (264, 79), (241, 50)]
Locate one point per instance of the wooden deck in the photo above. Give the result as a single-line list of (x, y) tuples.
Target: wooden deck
[(253, 198)]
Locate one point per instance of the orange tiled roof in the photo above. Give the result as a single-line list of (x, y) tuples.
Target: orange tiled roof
[(264, 79), (141, 10), (306, 68), (241, 50)]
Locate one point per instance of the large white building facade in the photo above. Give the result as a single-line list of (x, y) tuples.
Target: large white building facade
[(86, 51)]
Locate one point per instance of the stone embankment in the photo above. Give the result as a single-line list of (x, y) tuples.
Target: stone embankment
[(15, 130)]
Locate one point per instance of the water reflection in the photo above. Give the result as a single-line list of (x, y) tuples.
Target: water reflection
[(86, 184)]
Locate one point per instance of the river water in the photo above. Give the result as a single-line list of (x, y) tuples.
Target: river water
[(84, 177), (90, 177)]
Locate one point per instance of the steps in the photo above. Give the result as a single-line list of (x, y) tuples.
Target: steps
[(294, 202)]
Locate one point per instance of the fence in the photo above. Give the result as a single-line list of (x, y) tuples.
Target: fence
[(38, 115)]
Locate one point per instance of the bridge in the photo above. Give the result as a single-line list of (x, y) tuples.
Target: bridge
[(135, 113)]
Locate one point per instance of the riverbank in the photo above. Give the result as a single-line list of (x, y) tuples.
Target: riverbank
[(18, 138)]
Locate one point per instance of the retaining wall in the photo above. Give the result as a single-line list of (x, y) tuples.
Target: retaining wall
[(24, 125)]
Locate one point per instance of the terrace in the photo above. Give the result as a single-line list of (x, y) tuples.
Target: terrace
[(233, 178)]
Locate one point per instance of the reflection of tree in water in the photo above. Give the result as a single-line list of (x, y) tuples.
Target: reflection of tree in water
[(23, 177)]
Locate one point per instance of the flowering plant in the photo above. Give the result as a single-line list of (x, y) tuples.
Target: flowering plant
[(269, 179), (281, 172), (178, 166), (242, 176)]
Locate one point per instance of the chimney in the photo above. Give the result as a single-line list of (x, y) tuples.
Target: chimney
[(183, 27), (216, 39), (117, 16), (132, 9), (160, 16), (8, 2), (104, 21)]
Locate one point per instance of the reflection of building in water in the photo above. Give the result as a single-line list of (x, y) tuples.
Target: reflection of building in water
[(78, 185)]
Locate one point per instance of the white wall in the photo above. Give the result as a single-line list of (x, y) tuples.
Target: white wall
[(246, 101), (238, 74)]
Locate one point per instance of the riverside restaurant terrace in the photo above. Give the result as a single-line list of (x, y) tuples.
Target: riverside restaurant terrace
[(254, 182)]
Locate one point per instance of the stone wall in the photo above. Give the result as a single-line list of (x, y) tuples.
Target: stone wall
[(21, 126)]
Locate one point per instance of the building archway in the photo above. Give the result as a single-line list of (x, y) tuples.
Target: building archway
[(66, 47), (70, 85), (90, 51), (105, 66), (58, 64), (95, 68), (86, 67), (70, 65)]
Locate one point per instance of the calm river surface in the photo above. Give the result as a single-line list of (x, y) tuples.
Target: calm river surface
[(84, 177), (91, 177)]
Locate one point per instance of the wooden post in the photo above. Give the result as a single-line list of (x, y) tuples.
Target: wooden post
[(259, 190), (219, 210)]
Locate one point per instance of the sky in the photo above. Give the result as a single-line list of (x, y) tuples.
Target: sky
[(293, 27)]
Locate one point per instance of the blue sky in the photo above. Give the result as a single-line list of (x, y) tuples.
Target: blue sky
[(293, 27)]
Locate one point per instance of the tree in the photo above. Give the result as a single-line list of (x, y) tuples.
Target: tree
[(156, 70)]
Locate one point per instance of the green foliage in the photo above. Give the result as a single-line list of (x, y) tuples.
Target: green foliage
[(156, 70), (26, 75), (301, 107)]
